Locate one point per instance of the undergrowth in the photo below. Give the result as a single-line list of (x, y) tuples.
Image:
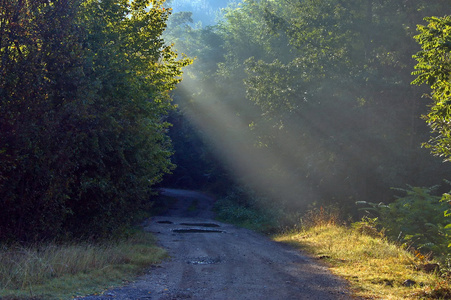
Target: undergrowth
[(417, 219), (239, 208), (375, 267), (61, 271)]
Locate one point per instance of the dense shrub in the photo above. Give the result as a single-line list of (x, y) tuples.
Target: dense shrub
[(417, 219), (83, 94), (244, 207)]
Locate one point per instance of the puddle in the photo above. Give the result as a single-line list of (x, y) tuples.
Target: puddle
[(201, 224), (192, 230), (204, 261), (165, 222)]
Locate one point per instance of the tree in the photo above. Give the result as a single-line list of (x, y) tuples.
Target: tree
[(434, 69), (324, 89), (197, 164), (84, 93), (330, 85), (40, 67)]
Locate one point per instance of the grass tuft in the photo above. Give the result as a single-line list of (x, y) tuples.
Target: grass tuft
[(54, 271)]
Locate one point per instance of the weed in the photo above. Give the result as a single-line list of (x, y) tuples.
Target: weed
[(322, 216)]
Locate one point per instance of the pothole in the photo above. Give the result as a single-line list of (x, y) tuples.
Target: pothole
[(201, 224), (165, 222), (194, 230), (204, 261)]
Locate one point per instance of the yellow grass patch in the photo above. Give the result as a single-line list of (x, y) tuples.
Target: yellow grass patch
[(374, 267)]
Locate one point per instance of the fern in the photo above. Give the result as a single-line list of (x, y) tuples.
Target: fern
[(419, 219)]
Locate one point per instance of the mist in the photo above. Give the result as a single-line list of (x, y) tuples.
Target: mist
[(305, 103), (205, 12)]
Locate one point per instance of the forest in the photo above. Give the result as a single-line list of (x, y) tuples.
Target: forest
[(319, 104), (285, 106)]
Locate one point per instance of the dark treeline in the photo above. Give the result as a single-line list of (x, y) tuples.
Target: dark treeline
[(83, 94), (310, 102)]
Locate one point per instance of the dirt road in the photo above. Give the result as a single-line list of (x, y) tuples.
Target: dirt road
[(212, 260)]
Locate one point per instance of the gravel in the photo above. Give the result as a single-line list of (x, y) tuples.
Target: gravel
[(211, 260)]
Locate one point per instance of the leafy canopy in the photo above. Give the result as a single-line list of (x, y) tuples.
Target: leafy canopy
[(434, 68), (84, 91)]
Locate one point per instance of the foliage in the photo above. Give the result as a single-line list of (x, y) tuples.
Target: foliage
[(198, 166), (315, 95), (40, 71), (204, 12), (434, 69), (345, 70), (418, 219), (368, 226), (314, 99), (84, 91), (244, 209)]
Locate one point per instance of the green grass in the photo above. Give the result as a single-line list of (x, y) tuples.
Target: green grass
[(374, 267), (55, 271), (230, 212)]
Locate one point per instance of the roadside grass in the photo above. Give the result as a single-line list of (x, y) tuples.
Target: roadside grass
[(248, 211), (230, 212), (63, 271), (374, 267)]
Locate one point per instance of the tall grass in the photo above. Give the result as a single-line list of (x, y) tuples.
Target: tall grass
[(375, 267), (61, 270)]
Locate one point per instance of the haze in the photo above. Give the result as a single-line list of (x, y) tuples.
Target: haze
[(307, 104)]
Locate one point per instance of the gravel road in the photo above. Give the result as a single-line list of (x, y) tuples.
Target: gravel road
[(213, 260)]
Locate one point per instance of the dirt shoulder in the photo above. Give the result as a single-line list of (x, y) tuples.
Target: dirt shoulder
[(213, 260)]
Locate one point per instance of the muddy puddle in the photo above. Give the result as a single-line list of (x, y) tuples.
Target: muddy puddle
[(196, 230), (204, 261), (200, 224), (165, 222)]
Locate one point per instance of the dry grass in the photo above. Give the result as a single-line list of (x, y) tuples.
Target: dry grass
[(375, 268), (61, 271)]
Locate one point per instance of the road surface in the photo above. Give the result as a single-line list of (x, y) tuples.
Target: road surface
[(211, 260)]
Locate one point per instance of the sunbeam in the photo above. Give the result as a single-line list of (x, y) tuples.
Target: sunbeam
[(306, 119)]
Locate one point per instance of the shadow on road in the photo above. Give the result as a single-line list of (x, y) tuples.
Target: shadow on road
[(188, 204)]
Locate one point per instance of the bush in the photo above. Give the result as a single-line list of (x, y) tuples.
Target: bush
[(418, 219), (243, 208), (83, 137)]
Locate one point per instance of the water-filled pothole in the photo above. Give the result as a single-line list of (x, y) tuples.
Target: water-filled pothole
[(165, 222), (204, 261), (194, 230), (201, 224)]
